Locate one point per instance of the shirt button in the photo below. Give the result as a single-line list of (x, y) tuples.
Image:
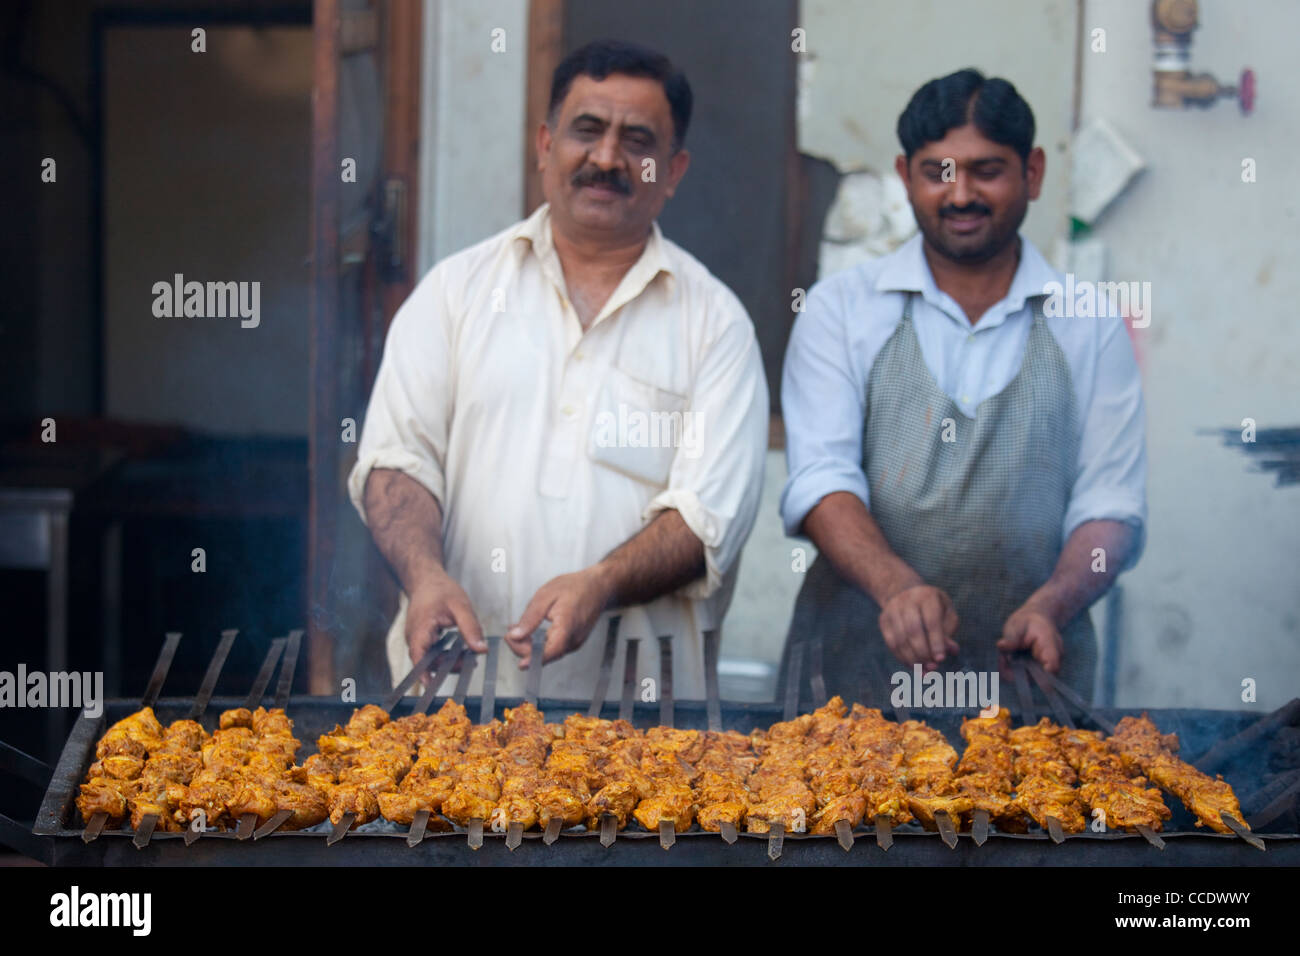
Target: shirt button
[(578, 355), (566, 410)]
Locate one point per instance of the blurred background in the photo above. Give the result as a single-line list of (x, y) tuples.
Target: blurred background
[(128, 441)]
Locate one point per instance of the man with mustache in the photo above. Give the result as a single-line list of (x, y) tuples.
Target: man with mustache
[(972, 472), (570, 417)]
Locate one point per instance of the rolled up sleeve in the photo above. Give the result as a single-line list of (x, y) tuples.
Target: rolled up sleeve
[(407, 419), (822, 405), (716, 479), (1112, 473)]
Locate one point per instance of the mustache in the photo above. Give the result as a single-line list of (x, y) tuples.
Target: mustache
[(978, 208), (603, 177)]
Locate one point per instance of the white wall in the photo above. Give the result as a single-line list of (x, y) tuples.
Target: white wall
[(1215, 598), (472, 124)]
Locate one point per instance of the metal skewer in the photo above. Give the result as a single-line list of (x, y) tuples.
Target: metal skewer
[(775, 840), (468, 659), (95, 825), (666, 680), (1241, 831), (191, 834), (270, 826), (285, 685), (142, 835), (608, 829), (514, 835), (1151, 836), (533, 687), (415, 673), (213, 672), (712, 696), (488, 702), (341, 828), (475, 833), (552, 832), (979, 827), (247, 823), (884, 832), (844, 833), (626, 701), (606, 667), (449, 643), (419, 824), (667, 833), (947, 832), (1054, 830), (727, 830)]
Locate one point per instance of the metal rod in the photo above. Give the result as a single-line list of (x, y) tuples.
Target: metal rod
[(1054, 701), (727, 830), (666, 680), (632, 648), (514, 835), (145, 833), (488, 702), (475, 839), (213, 672), (792, 678), (247, 823), (1028, 712), (979, 827), (270, 826), (1150, 836), (667, 834), (263, 679), (712, 695), (1070, 694), (552, 832), (1241, 831), (341, 828), (606, 667), (160, 669), (1054, 830), (468, 659), (287, 667), (775, 840), (415, 673), (608, 829), (817, 673), (533, 688), (94, 828), (431, 689), (884, 832), (947, 832), (844, 834), (15, 761), (419, 824)]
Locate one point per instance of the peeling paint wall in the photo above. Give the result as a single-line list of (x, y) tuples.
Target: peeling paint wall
[(1216, 596), (864, 61)]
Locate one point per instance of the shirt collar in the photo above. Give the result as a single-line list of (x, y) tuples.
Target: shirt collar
[(906, 270), (535, 232)]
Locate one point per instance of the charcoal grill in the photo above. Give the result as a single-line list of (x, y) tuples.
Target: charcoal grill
[(1257, 755)]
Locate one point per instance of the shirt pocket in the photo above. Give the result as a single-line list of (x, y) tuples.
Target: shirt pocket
[(636, 427)]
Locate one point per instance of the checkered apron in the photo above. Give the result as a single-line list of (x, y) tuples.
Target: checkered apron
[(979, 516)]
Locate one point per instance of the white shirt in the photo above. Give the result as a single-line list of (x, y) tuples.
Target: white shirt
[(547, 447), (849, 316)]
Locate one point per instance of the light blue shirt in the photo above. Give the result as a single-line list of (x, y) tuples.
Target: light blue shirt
[(849, 316)]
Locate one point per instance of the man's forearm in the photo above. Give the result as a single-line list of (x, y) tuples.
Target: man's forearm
[(845, 532), (406, 523), (662, 557), (1082, 575)]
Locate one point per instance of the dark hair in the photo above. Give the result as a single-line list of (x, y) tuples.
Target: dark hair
[(601, 58), (993, 105)]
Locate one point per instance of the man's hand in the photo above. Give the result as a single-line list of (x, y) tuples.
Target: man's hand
[(1032, 628), (918, 623), (436, 603), (572, 603)]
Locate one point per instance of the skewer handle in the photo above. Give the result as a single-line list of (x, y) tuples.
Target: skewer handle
[(775, 840), (884, 832), (844, 834), (419, 824)]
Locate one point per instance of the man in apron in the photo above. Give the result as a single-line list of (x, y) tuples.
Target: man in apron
[(969, 461)]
